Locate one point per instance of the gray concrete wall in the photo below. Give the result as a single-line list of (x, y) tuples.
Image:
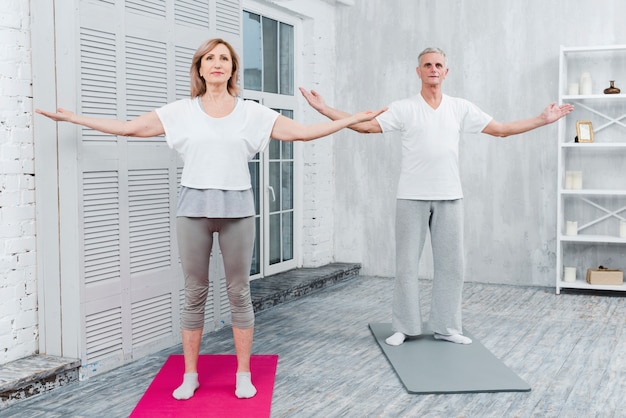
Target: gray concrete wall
[(503, 56)]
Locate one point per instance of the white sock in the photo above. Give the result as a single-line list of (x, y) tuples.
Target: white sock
[(189, 386), (396, 339), (454, 338), (244, 387)]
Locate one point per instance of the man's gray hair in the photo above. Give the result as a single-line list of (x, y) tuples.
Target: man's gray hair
[(433, 51)]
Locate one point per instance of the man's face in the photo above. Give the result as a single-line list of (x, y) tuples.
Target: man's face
[(432, 69)]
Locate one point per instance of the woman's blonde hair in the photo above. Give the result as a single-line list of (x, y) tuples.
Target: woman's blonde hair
[(198, 86)]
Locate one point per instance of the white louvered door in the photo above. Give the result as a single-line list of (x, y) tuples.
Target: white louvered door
[(118, 195)]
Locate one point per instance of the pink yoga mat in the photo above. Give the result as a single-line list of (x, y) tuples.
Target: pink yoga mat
[(216, 395)]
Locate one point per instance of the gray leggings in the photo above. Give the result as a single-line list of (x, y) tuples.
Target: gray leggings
[(195, 241), (414, 218)]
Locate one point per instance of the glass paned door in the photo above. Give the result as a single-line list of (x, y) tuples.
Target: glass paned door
[(273, 172), (268, 77)]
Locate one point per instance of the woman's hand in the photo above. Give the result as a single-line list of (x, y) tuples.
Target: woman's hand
[(368, 115), (61, 115)]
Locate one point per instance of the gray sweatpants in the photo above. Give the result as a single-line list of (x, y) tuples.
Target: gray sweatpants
[(444, 218), (195, 240)]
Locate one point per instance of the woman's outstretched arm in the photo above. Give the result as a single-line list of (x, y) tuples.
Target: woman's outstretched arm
[(286, 129), (145, 126)]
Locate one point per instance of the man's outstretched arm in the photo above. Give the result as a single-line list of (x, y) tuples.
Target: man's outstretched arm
[(550, 114), (316, 101)]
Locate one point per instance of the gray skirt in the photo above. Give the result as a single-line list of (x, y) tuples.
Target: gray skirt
[(213, 203)]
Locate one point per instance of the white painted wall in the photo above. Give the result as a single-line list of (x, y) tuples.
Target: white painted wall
[(503, 55), (18, 286)]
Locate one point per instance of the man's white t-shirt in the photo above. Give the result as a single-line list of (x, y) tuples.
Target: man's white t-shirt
[(216, 151), (430, 144)]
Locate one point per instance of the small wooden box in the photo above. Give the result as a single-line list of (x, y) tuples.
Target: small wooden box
[(604, 276)]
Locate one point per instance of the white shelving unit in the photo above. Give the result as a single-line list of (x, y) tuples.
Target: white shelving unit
[(600, 205)]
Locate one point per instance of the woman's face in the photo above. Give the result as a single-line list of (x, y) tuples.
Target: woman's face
[(216, 66)]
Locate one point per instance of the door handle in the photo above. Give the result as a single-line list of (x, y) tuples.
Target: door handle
[(271, 189)]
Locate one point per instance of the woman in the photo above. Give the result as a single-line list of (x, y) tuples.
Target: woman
[(216, 134)]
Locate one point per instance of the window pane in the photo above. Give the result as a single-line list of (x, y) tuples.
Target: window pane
[(286, 59), (253, 166), (287, 146), (270, 55), (275, 238), (287, 236), (287, 150), (255, 267), (252, 55), (274, 149), (274, 182), (287, 190)]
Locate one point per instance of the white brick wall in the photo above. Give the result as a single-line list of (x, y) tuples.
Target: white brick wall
[(318, 66), (318, 205), (18, 286)]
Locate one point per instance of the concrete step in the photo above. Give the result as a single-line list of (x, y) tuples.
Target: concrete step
[(294, 284), (34, 375)]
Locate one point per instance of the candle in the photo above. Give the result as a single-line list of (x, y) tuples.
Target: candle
[(573, 89), (571, 228), (577, 180), (585, 84), (570, 274), (622, 229)]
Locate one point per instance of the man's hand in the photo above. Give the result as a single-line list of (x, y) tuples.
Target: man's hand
[(314, 99), (364, 122), (552, 112)]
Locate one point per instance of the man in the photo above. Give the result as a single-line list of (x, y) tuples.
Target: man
[(429, 191)]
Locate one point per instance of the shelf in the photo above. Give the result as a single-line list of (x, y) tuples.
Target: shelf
[(595, 211), (579, 284), (601, 48), (593, 192), (573, 144), (595, 97), (605, 239)]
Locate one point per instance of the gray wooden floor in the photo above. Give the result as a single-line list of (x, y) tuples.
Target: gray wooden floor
[(571, 349)]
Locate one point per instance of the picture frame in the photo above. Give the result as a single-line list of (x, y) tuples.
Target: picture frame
[(584, 131)]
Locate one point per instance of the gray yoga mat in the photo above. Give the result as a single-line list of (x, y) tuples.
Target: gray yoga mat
[(425, 365)]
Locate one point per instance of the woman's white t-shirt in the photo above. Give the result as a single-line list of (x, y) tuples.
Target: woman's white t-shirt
[(430, 144), (216, 151)]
